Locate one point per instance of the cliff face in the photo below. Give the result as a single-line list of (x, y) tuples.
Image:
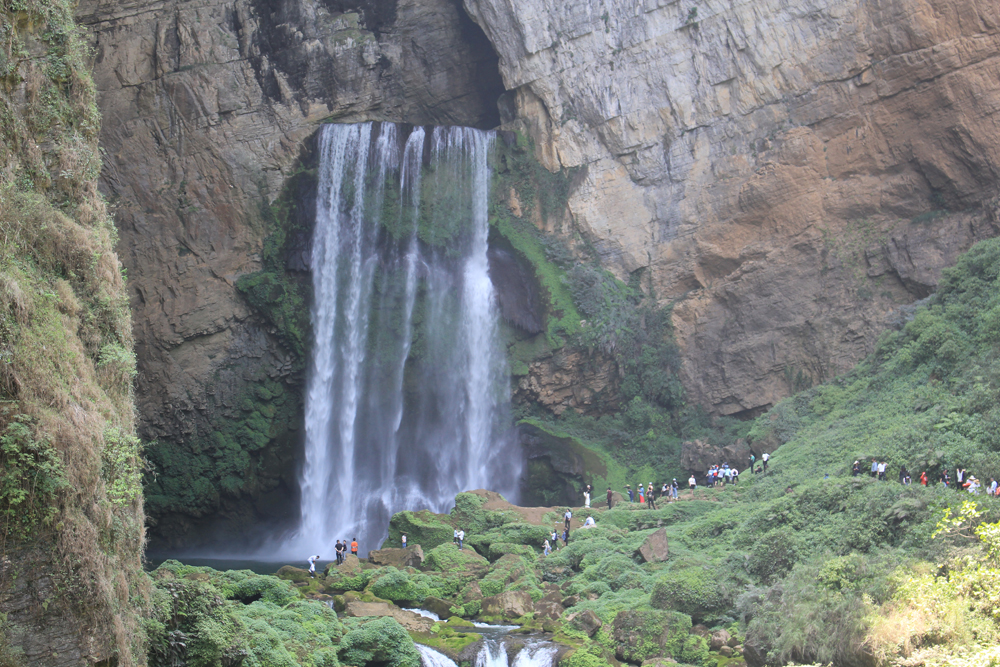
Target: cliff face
[(789, 173), (207, 108)]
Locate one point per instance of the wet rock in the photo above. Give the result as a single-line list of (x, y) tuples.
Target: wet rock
[(655, 548), (438, 606), (508, 605), (294, 574), (726, 651)]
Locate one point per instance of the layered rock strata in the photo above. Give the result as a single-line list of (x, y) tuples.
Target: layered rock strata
[(788, 174)]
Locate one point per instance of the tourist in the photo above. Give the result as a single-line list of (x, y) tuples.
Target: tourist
[(642, 494), (906, 479), (565, 537), (589, 523), (993, 487), (945, 477), (673, 489), (403, 539), (555, 538), (960, 480), (923, 478), (903, 474), (881, 471), (650, 502), (546, 549), (567, 517), (665, 491), (856, 470), (354, 547), (461, 538), (874, 468), (609, 497), (338, 552), (764, 458), (312, 566), (692, 483), (631, 495), (454, 537), (736, 476), (586, 497), (753, 459)]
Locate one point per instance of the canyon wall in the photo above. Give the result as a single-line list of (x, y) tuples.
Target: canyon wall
[(788, 173)]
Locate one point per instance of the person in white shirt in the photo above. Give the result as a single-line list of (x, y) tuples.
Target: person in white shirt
[(546, 549), (312, 566), (589, 523), (692, 483), (461, 538), (765, 457), (736, 475), (566, 519), (403, 538)]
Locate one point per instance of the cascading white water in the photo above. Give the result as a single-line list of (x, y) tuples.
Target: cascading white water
[(408, 391), (431, 658), (536, 655)]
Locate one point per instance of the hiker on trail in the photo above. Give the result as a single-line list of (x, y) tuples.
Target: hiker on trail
[(650, 502), (555, 538), (546, 549), (642, 494), (586, 497), (753, 459), (354, 547), (881, 471), (945, 478), (923, 478), (566, 537), (903, 474), (461, 538), (673, 489), (589, 523), (764, 458), (692, 483), (736, 476), (312, 566), (959, 478), (403, 539), (631, 495), (874, 468), (906, 479), (567, 517), (609, 497), (993, 487), (856, 470), (454, 538)]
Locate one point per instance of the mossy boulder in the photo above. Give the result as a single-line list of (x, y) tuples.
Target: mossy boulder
[(508, 605), (639, 635), (694, 591), (383, 641), (293, 574), (450, 559), (424, 528)]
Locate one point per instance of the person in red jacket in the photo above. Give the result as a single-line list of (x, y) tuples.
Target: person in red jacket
[(923, 478)]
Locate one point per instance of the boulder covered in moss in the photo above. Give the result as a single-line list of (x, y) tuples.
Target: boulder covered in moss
[(423, 528), (640, 635), (411, 621), (294, 574), (450, 559), (383, 641), (586, 621), (398, 558)]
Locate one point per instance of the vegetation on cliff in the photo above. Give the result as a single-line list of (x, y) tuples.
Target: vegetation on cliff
[(70, 464)]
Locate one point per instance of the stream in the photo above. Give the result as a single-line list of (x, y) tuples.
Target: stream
[(533, 653)]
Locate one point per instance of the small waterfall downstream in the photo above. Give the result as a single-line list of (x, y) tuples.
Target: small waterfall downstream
[(407, 396)]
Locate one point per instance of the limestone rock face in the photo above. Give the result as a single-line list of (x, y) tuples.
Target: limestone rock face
[(412, 621), (509, 604), (398, 558), (206, 107), (697, 455), (788, 177)]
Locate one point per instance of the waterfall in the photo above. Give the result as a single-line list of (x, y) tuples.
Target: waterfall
[(408, 392), (431, 658)]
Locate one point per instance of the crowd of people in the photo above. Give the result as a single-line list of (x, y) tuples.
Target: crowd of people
[(962, 481)]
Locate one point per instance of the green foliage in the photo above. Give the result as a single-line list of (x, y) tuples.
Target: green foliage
[(382, 641), (122, 466), (31, 476), (398, 586), (695, 591)]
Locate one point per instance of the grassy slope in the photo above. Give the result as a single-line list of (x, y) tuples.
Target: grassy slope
[(70, 499)]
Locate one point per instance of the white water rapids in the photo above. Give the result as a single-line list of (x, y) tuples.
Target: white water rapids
[(407, 395)]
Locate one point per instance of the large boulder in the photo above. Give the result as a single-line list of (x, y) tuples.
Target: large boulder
[(424, 528), (398, 558), (655, 548), (294, 574), (698, 455), (508, 605), (411, 621), (586, 621), (437, 606), (719, 639), (640, 635)]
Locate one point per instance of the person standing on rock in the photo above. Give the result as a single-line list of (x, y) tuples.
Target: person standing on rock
[(674, 489), (586, 497), (567, 517), (609, 497), (461, 538), (354, 547), (339, 552), (402, 538), (312, 565)]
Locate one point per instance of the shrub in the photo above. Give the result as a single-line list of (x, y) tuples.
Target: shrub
[(696, 591)]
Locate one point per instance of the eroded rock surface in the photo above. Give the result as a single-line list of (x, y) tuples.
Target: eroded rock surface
[(789, 175), (206, 108)]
